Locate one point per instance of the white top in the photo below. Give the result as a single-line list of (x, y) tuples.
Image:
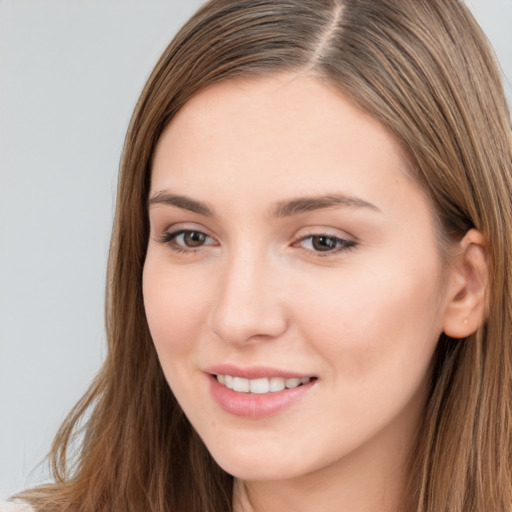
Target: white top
[(15, 506)]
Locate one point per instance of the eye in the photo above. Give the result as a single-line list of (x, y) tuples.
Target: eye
[(187, 240), (324, 243)]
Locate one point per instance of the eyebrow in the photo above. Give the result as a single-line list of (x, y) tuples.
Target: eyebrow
[(287, 208), (307, 204), (181, 202)]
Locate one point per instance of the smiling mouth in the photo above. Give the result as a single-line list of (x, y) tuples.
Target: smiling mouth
[(261, 386)]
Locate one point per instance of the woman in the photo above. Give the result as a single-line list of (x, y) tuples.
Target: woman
[(309, 299)]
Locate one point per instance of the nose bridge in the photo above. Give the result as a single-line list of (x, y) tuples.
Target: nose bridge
[(247, 304)]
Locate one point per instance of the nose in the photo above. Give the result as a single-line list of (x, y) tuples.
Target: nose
[(248, 304)]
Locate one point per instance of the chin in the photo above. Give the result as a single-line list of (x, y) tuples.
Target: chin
[(258, 464), (251, 471)]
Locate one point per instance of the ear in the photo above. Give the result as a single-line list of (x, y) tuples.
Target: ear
[(467, 290)]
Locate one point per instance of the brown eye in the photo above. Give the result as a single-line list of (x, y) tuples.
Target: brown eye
[(324, 243), (187, 240), (327, 244), (193, 238)]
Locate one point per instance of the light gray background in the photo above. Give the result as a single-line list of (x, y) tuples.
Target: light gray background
[(71, 71)]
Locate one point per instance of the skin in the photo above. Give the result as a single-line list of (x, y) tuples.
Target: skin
[(258, 289)]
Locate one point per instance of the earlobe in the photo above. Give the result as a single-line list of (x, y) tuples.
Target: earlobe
[(467, 291)]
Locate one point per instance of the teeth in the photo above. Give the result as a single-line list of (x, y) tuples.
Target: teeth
[(276, 384), (228, 381), (291, 383), (260, 386), (241, 385)]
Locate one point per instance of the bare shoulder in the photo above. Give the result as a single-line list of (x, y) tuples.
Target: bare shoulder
[(15, 506)]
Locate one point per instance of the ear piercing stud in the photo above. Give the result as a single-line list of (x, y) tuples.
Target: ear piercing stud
[(466, 321)]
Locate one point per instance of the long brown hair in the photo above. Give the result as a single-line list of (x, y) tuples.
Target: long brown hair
[(426, 71)]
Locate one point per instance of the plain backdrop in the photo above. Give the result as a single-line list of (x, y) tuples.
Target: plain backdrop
[(70, 74)]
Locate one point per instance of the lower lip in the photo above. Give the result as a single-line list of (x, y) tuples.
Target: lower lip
[(254, 405)]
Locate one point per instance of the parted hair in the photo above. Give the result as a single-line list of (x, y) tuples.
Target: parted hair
[(425, 70)]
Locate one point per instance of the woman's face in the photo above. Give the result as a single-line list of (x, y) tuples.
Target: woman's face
[(292, 258)]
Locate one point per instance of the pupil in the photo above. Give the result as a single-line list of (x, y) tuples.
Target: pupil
[(324, 243), (194, 239)]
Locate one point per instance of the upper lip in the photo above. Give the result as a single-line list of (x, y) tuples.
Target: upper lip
[(254, 372)]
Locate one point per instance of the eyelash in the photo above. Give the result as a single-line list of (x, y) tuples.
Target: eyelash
[(169, 238), (344, 245)]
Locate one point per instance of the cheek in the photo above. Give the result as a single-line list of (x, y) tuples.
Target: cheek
[(375, 323), (174, 308), (377, 334)]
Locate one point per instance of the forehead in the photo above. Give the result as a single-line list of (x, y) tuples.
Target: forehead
[(290, 131)]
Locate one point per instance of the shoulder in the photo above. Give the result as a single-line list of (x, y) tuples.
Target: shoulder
[(15, 506)]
